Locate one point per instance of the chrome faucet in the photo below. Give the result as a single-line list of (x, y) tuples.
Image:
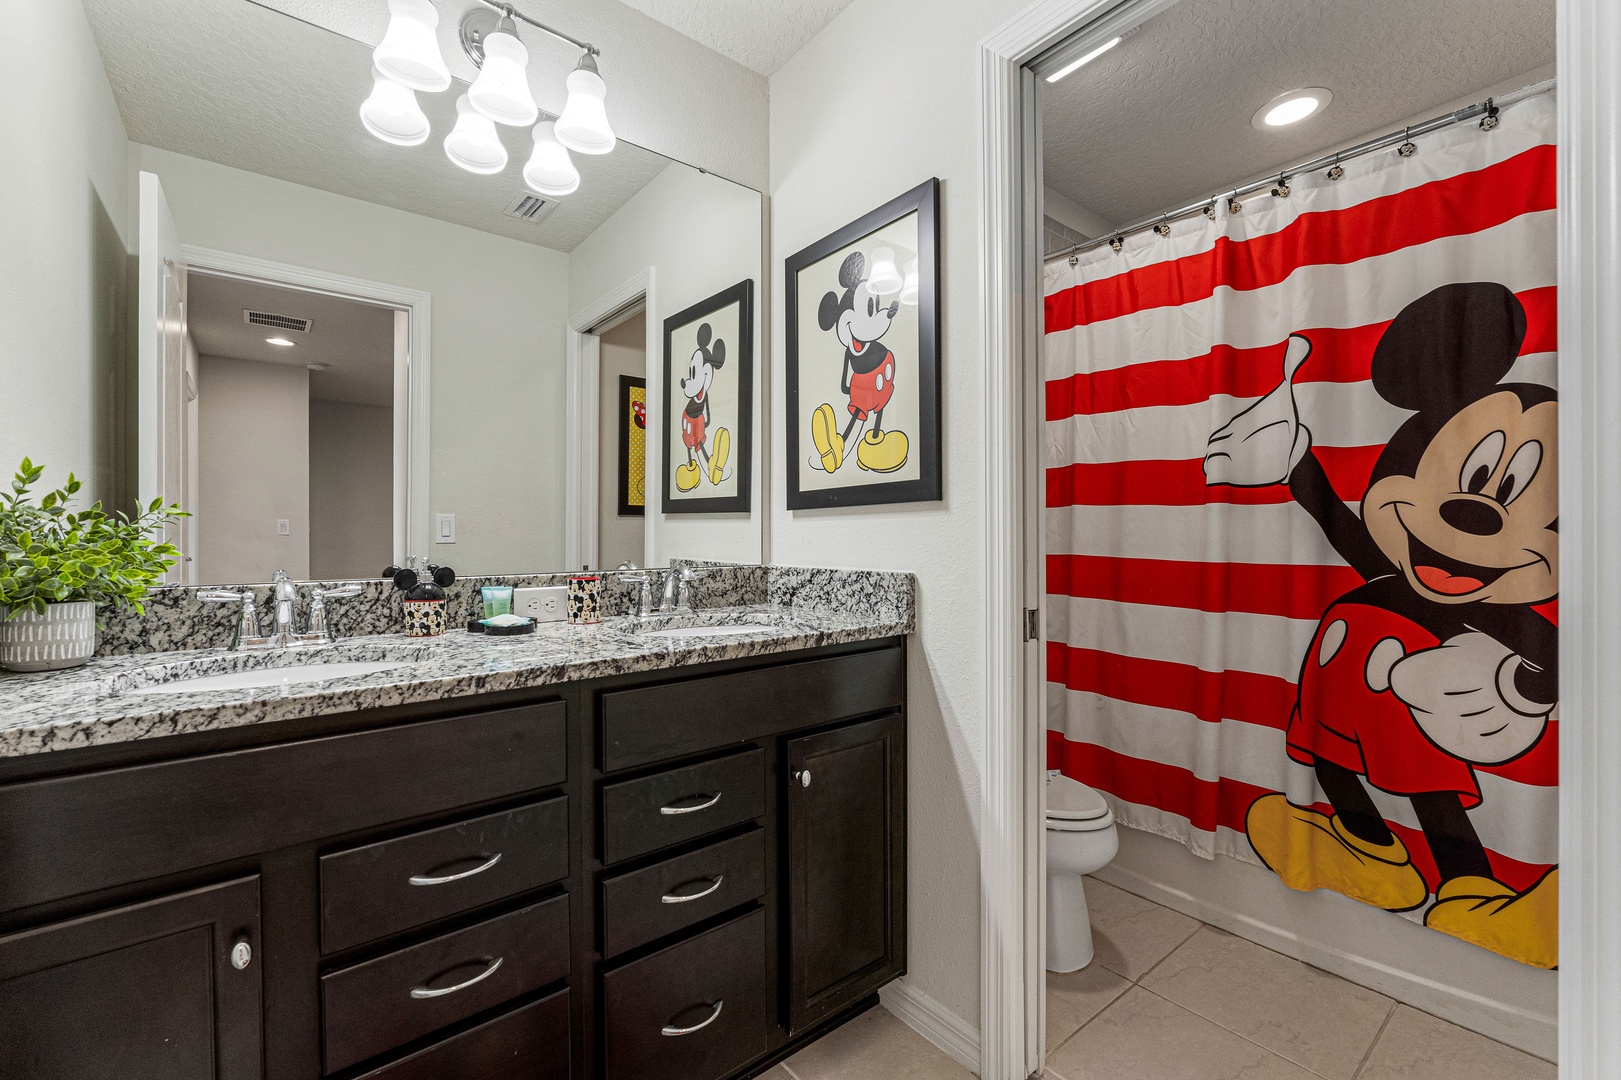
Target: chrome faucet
[(283, 594), (675, 590)]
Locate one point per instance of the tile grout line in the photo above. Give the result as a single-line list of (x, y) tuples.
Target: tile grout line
[(1240, 1035), (1067, 1039), (1368, 1055), (1173, 951)]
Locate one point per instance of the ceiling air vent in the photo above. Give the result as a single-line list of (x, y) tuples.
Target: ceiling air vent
[(280, 322), (529, 207)]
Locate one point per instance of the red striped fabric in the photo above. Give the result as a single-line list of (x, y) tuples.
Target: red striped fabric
[(1338, 355), (1291, 591), (1182, 483), (1455, 206), (1212, 696)]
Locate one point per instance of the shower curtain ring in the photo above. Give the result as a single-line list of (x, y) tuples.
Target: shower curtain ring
[(1164, 226), (1210, 211), (1490, 120), (1117, 244), (1233, 205), (1074, 259), (1281, 191), (1407, 148)]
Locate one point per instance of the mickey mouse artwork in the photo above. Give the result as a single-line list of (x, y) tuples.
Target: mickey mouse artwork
[(860, 318), (1443, 664), (707, 358)]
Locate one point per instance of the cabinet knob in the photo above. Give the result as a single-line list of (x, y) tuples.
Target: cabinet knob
[(241, 955), (804, 777)]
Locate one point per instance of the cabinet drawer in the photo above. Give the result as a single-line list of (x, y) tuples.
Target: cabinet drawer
[(694, 1011), (77, 834), (646, 904), (372, 891), (655, 723), (656, 811), (371, 1007), (531, 1043)]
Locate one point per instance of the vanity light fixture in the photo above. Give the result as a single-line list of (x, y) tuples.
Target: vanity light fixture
[(473, 143), (392, 113), (281, 341), (550, 170), (884, 278), (409, 52), (909, 287), (584, 124), (1075, 65), (501, 91), (1291, 108)]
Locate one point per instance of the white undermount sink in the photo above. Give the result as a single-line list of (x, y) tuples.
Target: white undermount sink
[(727, 630), (271, 677)]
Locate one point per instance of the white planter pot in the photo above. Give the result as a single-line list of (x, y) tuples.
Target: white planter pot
[(63, 637)]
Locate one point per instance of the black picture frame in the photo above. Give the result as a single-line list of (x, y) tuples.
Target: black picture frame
[(627, 383), (924, 200), (675, 451)]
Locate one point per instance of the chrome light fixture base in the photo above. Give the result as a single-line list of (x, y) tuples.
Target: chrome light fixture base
[(478, 24)]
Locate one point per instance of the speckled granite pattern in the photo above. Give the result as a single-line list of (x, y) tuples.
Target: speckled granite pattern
[(869, 594), (106, 701)]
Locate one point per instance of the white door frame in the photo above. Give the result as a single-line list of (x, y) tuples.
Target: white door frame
[(417, 534), (1590, 586), (582, 499)]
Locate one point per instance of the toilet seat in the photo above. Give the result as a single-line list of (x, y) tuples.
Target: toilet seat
[(1074, 807)]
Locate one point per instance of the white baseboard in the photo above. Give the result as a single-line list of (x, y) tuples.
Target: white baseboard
[(1338, 935), (932, 1020)]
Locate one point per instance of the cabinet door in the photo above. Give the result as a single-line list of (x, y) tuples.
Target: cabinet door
[(846, 866), (146, 992)]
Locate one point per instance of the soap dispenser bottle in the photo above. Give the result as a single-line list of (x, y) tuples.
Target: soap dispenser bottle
[(425, 599)]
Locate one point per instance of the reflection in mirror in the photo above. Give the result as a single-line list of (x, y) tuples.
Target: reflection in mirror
[(344, 351)]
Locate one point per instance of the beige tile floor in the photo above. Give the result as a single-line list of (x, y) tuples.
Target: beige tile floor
[(1169, 998)]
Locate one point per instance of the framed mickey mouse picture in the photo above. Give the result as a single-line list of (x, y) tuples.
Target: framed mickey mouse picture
[(708, 404), (863, 333)]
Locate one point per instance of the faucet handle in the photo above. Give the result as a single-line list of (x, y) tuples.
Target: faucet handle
[(318, 632), (247, 625)]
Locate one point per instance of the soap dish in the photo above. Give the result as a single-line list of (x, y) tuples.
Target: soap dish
[(525, 627)]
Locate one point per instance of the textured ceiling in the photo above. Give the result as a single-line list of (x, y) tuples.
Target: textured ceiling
[(760, 36), (237, 83), (1164, 118), (356, 339)]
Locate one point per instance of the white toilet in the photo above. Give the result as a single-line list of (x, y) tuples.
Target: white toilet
[(1081, 838)]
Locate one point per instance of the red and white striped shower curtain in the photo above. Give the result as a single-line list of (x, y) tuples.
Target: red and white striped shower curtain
[(1182, 609)]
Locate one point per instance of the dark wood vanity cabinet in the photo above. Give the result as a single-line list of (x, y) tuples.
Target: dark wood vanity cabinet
[(678, 874)]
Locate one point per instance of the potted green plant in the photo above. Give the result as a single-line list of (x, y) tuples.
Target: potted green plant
[(57, 567)]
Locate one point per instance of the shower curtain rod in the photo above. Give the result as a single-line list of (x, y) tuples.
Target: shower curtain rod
[(1279, 182)]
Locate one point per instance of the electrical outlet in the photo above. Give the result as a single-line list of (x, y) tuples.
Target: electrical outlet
[(542, 605)]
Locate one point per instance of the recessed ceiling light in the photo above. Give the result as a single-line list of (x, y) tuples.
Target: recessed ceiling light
[(283, 342), (1075, 65), (1291, 108)]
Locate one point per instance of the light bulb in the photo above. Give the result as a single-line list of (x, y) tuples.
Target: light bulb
[(473, 144), (409, 52), (884, 277), (550, 170), (501, 90), (909, 286), (392, 113), (583, 127)]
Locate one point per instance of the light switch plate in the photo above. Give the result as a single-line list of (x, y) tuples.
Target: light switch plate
[(284, 527), (444, 528), (542, 605)]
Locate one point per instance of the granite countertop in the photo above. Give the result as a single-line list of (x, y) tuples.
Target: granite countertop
[(117, 699)]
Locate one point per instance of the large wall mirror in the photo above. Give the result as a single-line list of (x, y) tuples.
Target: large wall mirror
[(342, 352)]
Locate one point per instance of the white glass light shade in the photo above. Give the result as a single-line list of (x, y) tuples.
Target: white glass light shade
[(392, 113), (409, 52), (473, 144), (501, 90), (550, 170), (583, 127), (884, 278), (909, 286)]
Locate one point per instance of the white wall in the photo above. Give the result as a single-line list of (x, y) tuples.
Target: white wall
[(699, 234), (881, 100), (498, 322), (63, 215), (351, 489), (623, 352), (253, 440)]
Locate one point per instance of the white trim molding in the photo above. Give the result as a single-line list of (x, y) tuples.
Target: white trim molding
[(1590, 536), (583, 396), (932, 1020), (419, 376)]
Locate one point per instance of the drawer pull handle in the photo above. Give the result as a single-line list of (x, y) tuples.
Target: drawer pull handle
[(422, 992), (669, 1030), (671, 811), (424, 879), (671, 898)]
